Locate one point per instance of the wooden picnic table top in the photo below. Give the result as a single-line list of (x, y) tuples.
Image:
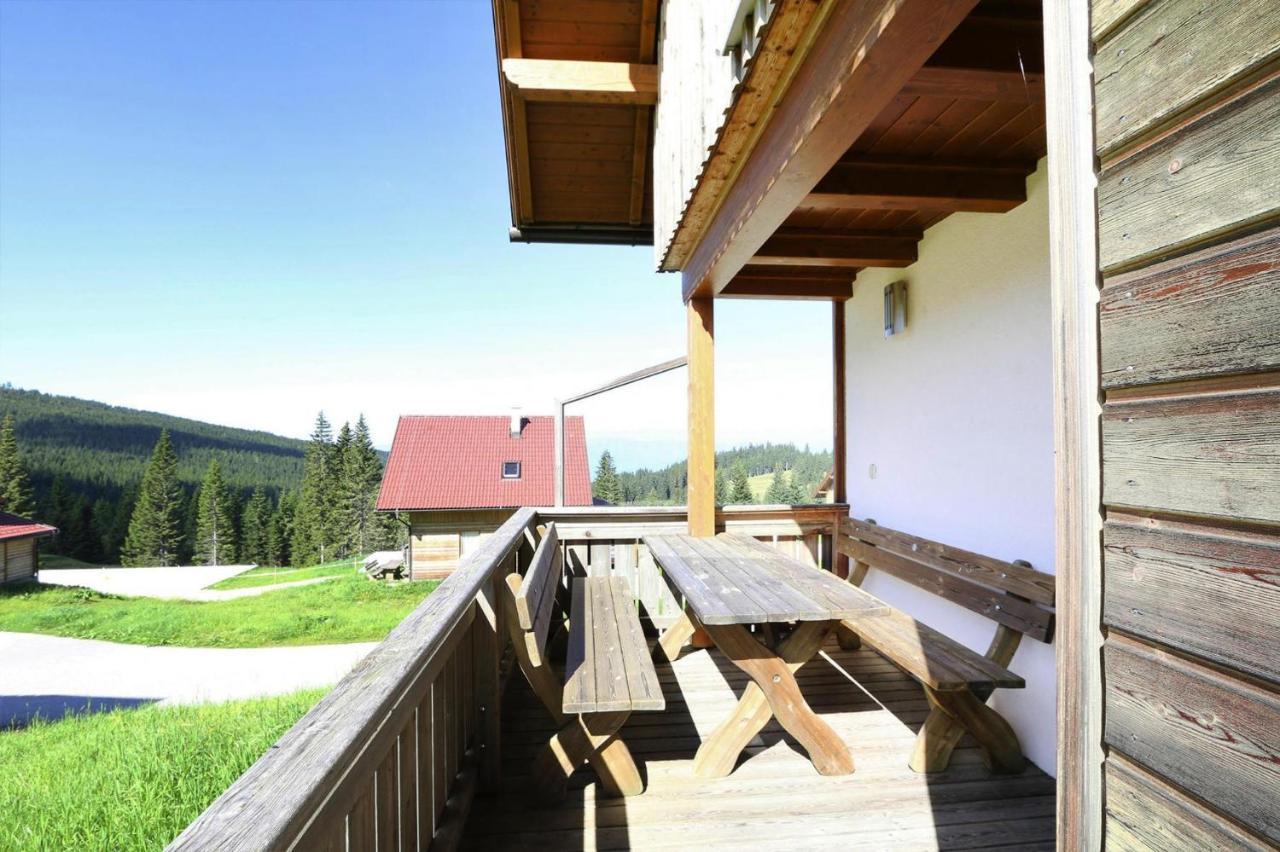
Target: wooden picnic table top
[(735, 579)]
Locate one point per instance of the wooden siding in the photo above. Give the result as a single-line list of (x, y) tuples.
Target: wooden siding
[(1188, 132), (17, 560), (696, 85), (435, 538)]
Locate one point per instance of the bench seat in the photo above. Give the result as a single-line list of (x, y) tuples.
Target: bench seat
[(930, 657), (608, 668)]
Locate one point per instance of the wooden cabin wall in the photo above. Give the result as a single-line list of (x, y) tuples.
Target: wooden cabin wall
[(435, 537), (1187, 106), (695, 87), (17, 560)]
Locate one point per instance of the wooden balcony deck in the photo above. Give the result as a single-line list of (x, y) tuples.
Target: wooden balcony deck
[(774, 799)]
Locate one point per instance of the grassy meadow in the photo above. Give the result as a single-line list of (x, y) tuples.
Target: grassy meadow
[(131, 779), (265, 576), (347, 609)]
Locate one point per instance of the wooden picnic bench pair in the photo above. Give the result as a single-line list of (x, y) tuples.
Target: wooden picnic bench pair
[(957, 681), (608, 669)]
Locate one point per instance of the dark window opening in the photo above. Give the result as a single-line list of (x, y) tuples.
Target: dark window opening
[(511, 470)]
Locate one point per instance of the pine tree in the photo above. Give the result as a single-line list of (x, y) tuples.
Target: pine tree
[(740, 487), (313, 524), (361, 476), (15, 485), (215, 542), (155, 526), (255, 527), (722, 488), (797, 494), (606, 486), (281, 532), (778, 491)]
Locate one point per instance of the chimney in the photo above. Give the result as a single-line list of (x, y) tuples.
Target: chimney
[(517, 422)]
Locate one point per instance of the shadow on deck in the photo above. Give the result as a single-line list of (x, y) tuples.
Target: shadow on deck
[(774, 798)]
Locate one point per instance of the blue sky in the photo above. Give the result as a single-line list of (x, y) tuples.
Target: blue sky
[(247, 211)]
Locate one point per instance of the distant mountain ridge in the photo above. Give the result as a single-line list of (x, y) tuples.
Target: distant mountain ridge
[(100, 449)]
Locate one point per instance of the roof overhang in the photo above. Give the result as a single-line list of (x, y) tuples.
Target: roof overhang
[(578, 84)]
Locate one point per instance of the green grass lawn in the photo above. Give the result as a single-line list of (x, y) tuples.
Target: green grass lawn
[(348, 609), (265, 576), (55, 561), (760, 485), (131, 779)]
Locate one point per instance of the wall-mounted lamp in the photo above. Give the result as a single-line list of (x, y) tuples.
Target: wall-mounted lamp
[(895, 308)]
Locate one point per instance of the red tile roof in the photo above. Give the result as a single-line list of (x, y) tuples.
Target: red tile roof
[(12, 526), (456, 463)]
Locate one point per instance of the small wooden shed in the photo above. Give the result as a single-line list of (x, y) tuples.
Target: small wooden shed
[(19, 555)]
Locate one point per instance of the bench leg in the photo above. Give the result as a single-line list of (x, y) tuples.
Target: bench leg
[(588, 738), (772, 692), (953, 713)]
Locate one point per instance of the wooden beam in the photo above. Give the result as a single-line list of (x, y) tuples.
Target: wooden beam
[(887, 184), (568, 81), (803, 289), (639, 162), (981, 84), (836, 249), (702, 428), (861, 58), (838, 478), (1077, 451)]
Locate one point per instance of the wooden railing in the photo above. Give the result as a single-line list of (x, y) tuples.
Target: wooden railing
[(393, 756)]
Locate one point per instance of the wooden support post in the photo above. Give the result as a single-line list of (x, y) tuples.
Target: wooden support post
[(839, 488), (490, 642), (702, 431)]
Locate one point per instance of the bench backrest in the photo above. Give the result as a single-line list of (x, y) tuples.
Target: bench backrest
[(535, 594), (1010, 593)]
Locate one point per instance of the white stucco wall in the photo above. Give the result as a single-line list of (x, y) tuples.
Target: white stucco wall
[(955, 415)]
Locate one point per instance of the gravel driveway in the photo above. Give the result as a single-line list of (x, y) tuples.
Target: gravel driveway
[(185, 582), (53, 675)]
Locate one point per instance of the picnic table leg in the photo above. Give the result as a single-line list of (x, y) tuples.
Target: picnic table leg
[(682, 630), (590, 737), (772, 692)]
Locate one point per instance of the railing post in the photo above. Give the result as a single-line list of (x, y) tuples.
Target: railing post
[(488, 679)]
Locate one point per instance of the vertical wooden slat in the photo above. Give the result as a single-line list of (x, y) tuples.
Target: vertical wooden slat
[(360, 822), (426, 770), (439, 751), (388, 821), (451, 719), (407, 784), (599, 559), (702, 427), (466, 686), (488, 658)]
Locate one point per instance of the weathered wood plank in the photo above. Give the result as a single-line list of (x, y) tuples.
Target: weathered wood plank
[(929, 656), (1172, 55), (1006, 609), (1215, 455), (1209, 733), (1212, 177), (779, 600), (1212, 313), (1212, 592), (535, 601), (694, 585), (1144, 814), (608, 667), (407, 790), (1108, 14), (830, 596), (996, 573)]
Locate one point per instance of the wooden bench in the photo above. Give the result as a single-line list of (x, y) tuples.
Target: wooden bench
[(957, 680), (608, 670)]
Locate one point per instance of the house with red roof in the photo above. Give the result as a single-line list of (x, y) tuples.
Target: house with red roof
[(456, 479), (19, 556)]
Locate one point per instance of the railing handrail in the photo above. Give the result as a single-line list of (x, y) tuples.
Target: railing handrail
[(274, 802)]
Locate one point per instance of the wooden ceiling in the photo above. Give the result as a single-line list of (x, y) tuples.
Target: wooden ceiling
[(579, 81), (961, 136)]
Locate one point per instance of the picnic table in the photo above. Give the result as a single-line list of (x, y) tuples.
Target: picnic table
[(733, 581)]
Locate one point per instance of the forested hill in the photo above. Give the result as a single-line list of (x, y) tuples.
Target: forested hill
[(100, 449), (668, 485)]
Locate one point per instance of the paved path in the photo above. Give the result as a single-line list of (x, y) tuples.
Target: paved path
[(53, 675), (186, 582)]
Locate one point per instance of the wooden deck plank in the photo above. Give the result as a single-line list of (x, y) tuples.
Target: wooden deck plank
[(774, 798)]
